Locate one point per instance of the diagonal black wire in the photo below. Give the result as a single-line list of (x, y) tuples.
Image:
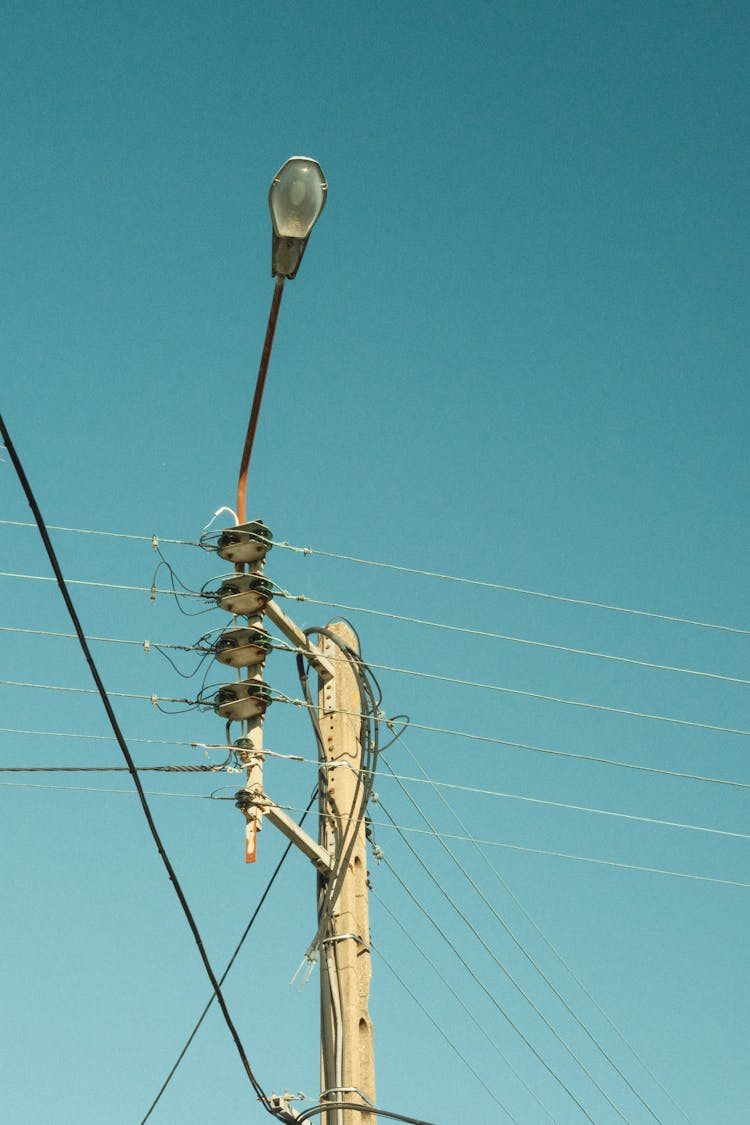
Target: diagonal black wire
[(23, 479), (231, 961)]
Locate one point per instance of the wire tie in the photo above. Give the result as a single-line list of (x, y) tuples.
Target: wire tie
[(147, 646), (155, 542)]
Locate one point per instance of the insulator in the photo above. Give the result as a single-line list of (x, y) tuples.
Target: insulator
[(245, 543), (243, 699), (243, 648), (245, 594)]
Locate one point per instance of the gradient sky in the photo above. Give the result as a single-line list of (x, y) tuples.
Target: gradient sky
[(516, 351)]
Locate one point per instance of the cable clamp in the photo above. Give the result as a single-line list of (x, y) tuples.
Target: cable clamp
[(147, 646), (326, 1094), (307, 550), (346, 937), (153, 593), (154, 700), (155, 542)]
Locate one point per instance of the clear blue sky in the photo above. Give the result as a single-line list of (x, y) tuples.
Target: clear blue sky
[(517, 351)]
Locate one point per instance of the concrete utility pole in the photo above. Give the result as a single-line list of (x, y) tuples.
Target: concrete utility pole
[(347, 1057)]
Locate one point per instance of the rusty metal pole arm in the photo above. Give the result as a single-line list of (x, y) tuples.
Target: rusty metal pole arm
[(257, 399)]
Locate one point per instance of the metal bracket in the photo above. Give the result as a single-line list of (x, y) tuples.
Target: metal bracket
[(322, 665), (317, 855)]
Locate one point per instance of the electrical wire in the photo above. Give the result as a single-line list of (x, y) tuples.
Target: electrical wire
[(457, 997), (152, 539), (445, 1036), (438, 789), (490, 995), (493, 741), (153, 590), (25, 485), (520, 641), (515, 589), (409, 829), (230, 963), (580, 703), (420, 573), (478, 790), (531, 960), (509, 976), (94, 691)]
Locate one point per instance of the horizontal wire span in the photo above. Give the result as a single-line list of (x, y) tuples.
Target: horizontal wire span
[(454, 787), (406, 828), (93, 691), (580, 703), (477, 790), (482, 584), (145, 644), (450, 1040), (105, 534), (102, 585), (487, 635), (92, 737)]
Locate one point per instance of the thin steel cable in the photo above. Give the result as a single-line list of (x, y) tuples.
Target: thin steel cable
[(93, 737), (493, 741), (517, 590), (456, 996), (532, 921), (231, 961), (104, 585), (523, 641), (93, 691), (106, 703), (111, 769), (405, 828), (420, 573), (106, 534), (444, 1035), (507, 973), (145, 644), (518, 691), (443, 784), (531, 960), (493, 999)]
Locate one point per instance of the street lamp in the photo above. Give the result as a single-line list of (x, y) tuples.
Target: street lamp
[(296, 198)]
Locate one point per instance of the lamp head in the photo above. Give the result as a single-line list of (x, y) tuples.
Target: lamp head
[(296, 198)]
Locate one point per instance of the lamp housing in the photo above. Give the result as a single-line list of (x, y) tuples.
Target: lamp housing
[(296, 198)]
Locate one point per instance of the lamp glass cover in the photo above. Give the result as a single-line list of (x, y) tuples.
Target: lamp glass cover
[(297, 196)]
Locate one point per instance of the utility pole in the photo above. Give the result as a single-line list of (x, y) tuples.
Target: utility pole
[(347, 1056)]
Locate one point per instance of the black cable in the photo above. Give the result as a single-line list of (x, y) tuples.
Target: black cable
[(23, 479), (231, 961), (327, 1107)]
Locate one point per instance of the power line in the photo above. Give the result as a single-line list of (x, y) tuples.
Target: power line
[(231, 961), (442, 784), (484, 988), (405, 828), (445, 1036), (104, 585), (535, 965), (153, 539), (146, 644), (25, 485), (543, 936), (567, 702), (526, 746), (514, 640), (93, 691), (506, 972), (482, 584)]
